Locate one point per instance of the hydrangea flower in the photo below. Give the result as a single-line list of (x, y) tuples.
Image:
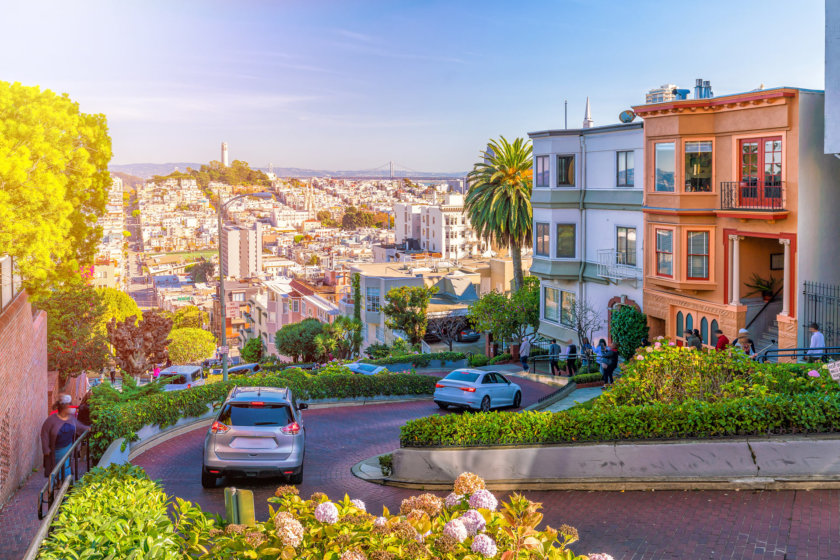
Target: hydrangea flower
[(657, 345), (486, 546), (289, 530), (326, 512), (648, 349), (380, 522), (672, 343), (640, 357), (814, 373), (456, 530), (467, 483), (600, 556), (483, 499), (473, 521), (353, 555), (359, 504), (453, 499)]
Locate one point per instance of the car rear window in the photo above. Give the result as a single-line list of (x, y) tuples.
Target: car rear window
[(366, 367), (247, 414), (462, 376), (174, 379)]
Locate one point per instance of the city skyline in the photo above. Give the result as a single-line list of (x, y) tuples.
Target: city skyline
[(355, 85)]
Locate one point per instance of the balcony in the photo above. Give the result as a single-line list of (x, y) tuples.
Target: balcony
[(613, 265), (750, 196)]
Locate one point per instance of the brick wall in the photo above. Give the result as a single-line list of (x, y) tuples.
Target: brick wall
[(23, 399)]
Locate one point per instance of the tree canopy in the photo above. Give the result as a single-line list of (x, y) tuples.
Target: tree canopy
[(118, 305), (53, 183), (252, 351), (237, 173), (406, 310), (202, 271), (190, 316), (509, 317), (340, 339), (188, 345), (297, 340), (138, 346)]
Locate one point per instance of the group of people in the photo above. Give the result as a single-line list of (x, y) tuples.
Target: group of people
[(606, 356), (815, 352)]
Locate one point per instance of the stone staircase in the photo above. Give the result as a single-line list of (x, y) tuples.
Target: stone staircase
[(767, 339)]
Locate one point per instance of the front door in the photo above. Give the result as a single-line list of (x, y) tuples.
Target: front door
[(760, 183)]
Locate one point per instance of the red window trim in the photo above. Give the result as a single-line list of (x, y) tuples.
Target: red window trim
[(657, 252), (707, 254), (760, 155)]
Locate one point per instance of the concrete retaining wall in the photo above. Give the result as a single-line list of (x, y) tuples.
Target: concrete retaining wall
[(790, 458)]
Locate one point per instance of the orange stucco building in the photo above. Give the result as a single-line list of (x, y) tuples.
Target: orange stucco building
[(733, 187)]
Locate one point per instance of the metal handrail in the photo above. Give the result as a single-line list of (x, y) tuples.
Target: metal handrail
[(766, 303), (56, 478), (827, 352)]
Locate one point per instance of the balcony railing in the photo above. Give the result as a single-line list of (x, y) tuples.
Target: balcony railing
[(747, 195), (617, 265)]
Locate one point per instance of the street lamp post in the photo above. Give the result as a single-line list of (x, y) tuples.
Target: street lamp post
[(222, 306)]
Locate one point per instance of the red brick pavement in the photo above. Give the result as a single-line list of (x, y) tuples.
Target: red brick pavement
[(19, 518)]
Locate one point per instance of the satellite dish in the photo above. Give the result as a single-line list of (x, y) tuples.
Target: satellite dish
[(626, 116)]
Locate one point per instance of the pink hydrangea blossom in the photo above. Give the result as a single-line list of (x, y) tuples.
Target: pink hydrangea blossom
[(456, 530), (360, 505), (484, 545), (483, 499), (640, 357), (657, 345), (814, 373), (380, 522), (599, 556), (672, 343), (453, 499), (326, 512), (473, 521)]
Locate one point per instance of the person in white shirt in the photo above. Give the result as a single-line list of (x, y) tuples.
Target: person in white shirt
[(816, 349)]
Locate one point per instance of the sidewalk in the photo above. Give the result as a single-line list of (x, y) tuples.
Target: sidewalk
[(19, 519), (575, 397)]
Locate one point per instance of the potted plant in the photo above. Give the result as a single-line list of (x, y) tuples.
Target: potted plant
[(764, 286)]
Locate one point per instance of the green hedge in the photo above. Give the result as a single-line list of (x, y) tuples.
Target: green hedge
[(749, 416), (587, 377), (477, 360), (417, 360), (500, 359), (122, 419)]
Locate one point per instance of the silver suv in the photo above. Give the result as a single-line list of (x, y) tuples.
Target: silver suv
[(258, 432)]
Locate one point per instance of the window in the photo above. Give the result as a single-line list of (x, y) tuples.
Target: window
[(664, 167), (372, 300), (565, 241), (698, 167), (689, 323), (238, 296), (542, 239), (551, 308), (565, 171), (698, 255), (625, 246), (295, 306), (541, 171), (714, 329), (624, 169), (680, 329), (664, 252), (567, 306), (704, 330), (761, 170)]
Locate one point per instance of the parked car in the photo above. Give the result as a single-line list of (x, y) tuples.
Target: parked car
[(365, 369), (244, 369), (258, 432), (431, 337), (477, 389), (467, 335), (176, 378)]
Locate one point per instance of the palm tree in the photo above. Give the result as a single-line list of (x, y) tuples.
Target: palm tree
[(498, 202)]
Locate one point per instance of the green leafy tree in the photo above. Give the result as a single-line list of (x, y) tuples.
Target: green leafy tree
[(53, 184), (628, 328), (189, 345), (298, 340), (406, 310), (202, 271), (509, 317), (135, 213), (118, 305), (356, 279), (75, 343), (498, 202), (252, 352), (190, 316), (341, 339)]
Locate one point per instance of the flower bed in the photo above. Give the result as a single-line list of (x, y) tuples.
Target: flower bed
[(113, 420), (118, 511), (664, 393)]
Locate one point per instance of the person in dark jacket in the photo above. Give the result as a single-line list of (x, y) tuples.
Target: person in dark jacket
[(571, 360), (58, 432), (611, 365)]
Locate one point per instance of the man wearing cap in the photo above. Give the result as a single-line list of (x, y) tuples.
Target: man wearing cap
[(58, 433)]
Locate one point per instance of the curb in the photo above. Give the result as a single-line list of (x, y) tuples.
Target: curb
[(356, 470), (554, 397)]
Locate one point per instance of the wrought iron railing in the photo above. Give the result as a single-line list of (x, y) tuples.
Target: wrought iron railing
[(827, 354), (748, 195)]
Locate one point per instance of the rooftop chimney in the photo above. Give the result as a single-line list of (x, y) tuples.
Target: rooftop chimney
[(703, 89)]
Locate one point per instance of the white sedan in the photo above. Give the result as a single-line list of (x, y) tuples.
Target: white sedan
[(365, 369), (477, 389)]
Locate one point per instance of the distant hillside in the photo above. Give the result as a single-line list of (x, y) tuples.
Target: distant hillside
[(130, 182), (146, 170)]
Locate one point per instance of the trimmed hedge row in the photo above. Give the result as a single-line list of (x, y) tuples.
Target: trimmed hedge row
[(111, 421), (587, 378), (417, 360), (748, 416)]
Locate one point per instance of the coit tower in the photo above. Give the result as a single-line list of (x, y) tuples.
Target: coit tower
[(224, 154)]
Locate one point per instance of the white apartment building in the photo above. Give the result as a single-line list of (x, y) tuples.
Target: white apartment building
[(663, 93), (443, 229), (241, 251), (588, 224)]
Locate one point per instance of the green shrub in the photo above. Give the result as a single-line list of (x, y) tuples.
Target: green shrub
[(477, 360), (587, 377), (417, 360), (500, 359), (113, 420), (628, 328), (378, 351)]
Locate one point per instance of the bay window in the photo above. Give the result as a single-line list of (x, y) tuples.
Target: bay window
[(698, 166), (664, 167)]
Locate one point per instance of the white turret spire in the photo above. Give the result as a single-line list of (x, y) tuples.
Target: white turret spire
[(587, 118)]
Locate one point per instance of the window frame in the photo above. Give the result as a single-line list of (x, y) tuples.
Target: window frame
[(557, 241), (537, 236), (545, 173), (656, 252), (684, 162), (707, 255), (371, 305), (626, 251), (618, 158), (572, 178), (545, 315), (655, 166), (563, 300)]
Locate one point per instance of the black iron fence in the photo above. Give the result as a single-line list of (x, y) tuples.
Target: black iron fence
[(822, 306), (746, 195)]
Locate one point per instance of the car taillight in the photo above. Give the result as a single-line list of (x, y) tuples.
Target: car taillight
[(219, 428), (439, 386), (468, 389), (189, 385), (463, 332), (293, 428)]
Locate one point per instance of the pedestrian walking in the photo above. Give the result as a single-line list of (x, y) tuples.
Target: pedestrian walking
[(816, 348), (58, 432), (571, 360), (600, 352), (585, 354), (722, 341), (156, 372), (113, 376), (524, 352), (745, 343), (554, 357), (611, 364)]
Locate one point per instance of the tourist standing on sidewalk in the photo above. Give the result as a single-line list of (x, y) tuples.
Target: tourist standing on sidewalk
[(601, 355), (58, 432), (611, 365), (571, 360), (816, 348), (554, 357), (585, 354), (524, 352)]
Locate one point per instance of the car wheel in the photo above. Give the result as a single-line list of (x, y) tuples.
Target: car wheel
[(297, 478), (517, 399), (208, 480), (442, 405), (485, 404)]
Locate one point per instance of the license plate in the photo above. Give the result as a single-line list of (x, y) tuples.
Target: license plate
[(253, 443)]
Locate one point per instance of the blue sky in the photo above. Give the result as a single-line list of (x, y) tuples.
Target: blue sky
[(351, 85)]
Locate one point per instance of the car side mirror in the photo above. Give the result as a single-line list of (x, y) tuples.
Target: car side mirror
[(302, 406)]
